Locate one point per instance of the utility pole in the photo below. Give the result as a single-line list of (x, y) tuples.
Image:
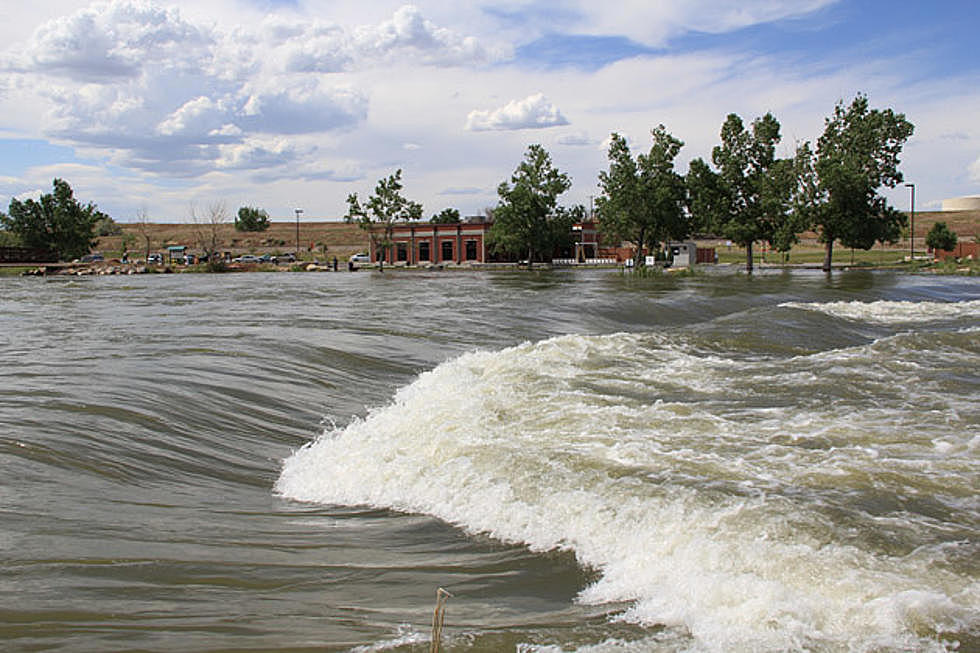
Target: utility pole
[(298, 211), (911, 224)]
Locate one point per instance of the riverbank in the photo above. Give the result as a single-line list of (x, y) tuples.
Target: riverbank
[(113, 268)]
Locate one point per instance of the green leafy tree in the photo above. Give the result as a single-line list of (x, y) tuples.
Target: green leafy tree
[(940, 237), (857, 154), (383, 210), (106, 226), (643, 200), (251, 219), (446, 216), (751, 199), (55, 222), (707, 198), (527, 220)]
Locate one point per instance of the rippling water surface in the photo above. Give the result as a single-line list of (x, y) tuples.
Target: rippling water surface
[(588, 462)]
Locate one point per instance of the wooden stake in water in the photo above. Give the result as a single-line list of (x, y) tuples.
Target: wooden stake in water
[(437, 619)]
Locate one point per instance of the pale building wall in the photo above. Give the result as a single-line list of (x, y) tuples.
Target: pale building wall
[(962, 204)]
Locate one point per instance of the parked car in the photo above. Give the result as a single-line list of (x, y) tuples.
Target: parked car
[(360, 257), (189, 259), (92, 258), (154, 259), (266, 258), (247, 258)]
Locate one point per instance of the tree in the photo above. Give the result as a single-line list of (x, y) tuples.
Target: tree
[(707, 198), (208, 230), (143, 227), (383, 209), (643, 200), (526, 219), (106, 226), (251, 219), (446, 216), (940, 237), (752, 197), (55, 222), (857, 154)]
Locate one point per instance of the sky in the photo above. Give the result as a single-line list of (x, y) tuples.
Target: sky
[(168, 107)]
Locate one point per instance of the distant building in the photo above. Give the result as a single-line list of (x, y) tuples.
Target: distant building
[(962, 204), (420, 243)]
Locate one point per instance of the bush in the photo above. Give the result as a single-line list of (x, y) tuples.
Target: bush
[(940, 237)]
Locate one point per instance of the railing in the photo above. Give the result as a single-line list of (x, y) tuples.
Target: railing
[(588, 261)]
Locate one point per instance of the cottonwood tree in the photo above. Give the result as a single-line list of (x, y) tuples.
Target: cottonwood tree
[(383, 209), (643, 200), (55, 222), (143, 227), (751, 197), (250, 218), (527, 219), (446, 216), (209, 227), (857, 154), (940, 237)]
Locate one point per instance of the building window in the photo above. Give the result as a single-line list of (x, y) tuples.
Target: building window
[(424, 250), (402, 251), (470, 250), (447, 250)]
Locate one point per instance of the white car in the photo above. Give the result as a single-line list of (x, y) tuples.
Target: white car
[(360, 257)]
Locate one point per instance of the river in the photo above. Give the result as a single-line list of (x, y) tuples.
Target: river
[(586, 461)]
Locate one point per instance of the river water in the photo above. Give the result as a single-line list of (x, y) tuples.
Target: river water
[(586, 461)]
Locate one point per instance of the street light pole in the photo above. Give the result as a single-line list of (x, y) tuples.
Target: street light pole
[(298, 211), (911, 223)]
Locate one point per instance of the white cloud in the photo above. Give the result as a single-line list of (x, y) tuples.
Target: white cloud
[(975, 171), (115, 39), (533, 112), (200, 115), (408, 33), (654, 23)]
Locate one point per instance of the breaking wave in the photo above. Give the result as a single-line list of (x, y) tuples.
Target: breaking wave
[(819, 501)]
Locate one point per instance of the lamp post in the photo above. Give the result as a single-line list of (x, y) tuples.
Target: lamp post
[(911, 223), (298, 211)]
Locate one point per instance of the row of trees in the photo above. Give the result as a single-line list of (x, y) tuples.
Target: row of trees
[(752, 196), (749, 195)]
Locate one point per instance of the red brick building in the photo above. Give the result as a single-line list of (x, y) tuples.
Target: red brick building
[(418, 243)]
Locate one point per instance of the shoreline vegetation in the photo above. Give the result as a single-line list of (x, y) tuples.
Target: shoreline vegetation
[(320, 242)]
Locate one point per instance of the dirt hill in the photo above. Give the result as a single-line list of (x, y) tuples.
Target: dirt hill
[(340, 239)]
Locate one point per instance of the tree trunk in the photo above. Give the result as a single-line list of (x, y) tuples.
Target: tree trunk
[(530, 257), (828, 255), (748, 257)]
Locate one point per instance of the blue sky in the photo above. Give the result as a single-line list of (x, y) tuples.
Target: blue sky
[(148, 105)]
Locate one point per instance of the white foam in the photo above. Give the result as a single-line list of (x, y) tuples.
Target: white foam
[(894, 312), (707, 514)]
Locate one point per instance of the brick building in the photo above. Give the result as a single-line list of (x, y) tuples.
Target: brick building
[(426, 242)]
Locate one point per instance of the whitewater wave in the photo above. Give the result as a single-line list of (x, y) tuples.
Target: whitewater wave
[(740, 502), (893, 312)]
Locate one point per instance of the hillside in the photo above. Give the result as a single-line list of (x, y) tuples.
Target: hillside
[(341, 239)]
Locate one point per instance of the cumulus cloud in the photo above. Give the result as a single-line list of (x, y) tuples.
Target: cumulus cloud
[(533, 112), (408, 33), (303, 108), (202, 115), (117, 39)]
